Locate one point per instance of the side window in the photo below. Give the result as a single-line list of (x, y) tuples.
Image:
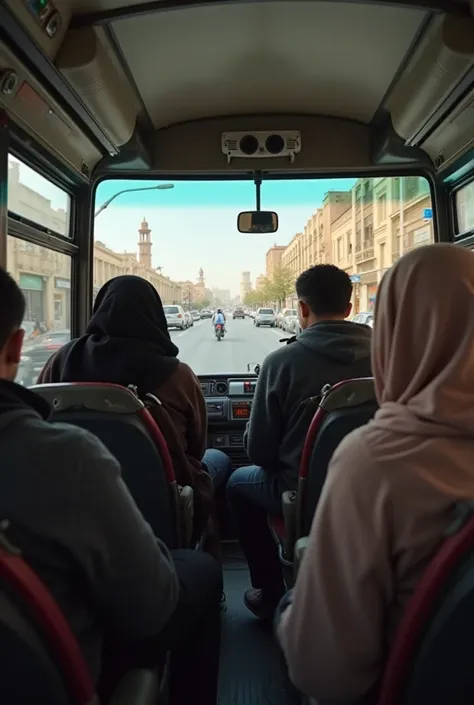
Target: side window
[(33, 198), (464, 205), (43, 274)]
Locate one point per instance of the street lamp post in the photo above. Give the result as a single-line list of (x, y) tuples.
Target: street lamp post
[(106, 204)]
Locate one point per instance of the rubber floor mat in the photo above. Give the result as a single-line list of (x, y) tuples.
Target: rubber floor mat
[(252, 670)]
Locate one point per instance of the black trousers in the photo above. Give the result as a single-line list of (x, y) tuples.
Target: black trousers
[(192, 635)]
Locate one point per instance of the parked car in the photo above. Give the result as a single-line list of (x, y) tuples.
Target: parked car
[(206, 313), (290, 324), (293, 325), (189, 319), (265, 317), (238, 313), (287, 315), (37, 352), (196, 316), (175, 317), (366, 318)]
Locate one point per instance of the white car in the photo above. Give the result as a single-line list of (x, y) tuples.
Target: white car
[(287, 315), (364, 318), (196, 316), (265, 317), (175, 317)]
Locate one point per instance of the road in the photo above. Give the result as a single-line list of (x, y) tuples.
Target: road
[(243, 343)]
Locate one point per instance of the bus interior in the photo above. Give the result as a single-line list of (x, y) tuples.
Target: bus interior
[(104, 96)]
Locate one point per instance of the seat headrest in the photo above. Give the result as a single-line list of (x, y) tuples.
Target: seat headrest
[(348, 393), (109, 398)]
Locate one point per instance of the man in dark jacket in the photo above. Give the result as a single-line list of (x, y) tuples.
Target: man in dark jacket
[(328, 350), (72, 517)]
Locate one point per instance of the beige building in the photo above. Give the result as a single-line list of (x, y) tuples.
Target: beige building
[(245, 285), (195, 292), (273, 259), (260, 281), (364, 231), (45, 276), (221, 297)]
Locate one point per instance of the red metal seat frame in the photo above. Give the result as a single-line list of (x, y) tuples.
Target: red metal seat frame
[(419, 610), (48, 618)]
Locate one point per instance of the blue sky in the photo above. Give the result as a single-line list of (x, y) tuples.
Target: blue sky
[(194, 224), (240, 194)]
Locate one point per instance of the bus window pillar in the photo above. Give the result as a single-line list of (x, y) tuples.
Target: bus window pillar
[(4, 144)]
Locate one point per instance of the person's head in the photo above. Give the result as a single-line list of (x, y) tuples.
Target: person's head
[(324, 294), (12, 310), (128, 307), (423, 339), (219, 310)]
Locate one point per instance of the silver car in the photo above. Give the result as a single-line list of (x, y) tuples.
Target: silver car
[(175, 317), (287, 320), (265, 317), (365, 318)]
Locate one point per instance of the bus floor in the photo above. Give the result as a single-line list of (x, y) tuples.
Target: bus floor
[(252, 669)]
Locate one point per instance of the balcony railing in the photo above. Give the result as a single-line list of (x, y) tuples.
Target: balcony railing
[(365, 255)]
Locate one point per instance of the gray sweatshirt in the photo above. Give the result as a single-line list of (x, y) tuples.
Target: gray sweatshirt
[(79, 528), (324, 353)]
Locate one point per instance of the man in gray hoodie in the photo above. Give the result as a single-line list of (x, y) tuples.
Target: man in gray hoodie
[(72, 517), (328, 350)]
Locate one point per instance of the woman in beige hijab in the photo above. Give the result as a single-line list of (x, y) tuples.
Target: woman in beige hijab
[(392, 485)]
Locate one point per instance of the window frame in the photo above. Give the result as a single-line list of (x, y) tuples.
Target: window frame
[(457, 235), (17, 143)]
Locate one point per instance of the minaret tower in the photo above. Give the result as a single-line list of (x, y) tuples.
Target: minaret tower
[(201, 277), (144, 244)]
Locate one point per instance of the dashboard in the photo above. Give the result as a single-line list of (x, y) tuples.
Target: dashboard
[(229, 403)]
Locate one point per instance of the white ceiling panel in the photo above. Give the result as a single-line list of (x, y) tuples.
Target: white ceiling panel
[(328, 58)]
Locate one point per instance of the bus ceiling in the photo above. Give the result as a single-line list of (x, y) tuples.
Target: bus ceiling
[(282, 86)]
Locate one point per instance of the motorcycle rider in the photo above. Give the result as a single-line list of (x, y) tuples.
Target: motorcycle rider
[(219, 319)]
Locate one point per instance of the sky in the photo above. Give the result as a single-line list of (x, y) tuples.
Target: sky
[(195, 224)]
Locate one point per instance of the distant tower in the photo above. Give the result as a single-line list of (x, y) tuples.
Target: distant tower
[(144, 244), (201, 277)]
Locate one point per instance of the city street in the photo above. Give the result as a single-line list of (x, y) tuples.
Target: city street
[(243, 343)]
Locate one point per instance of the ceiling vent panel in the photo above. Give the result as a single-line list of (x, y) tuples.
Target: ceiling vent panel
[(86, 65), (261, 144)]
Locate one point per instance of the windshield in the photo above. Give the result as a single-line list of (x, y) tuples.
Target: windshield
[(184, 240)]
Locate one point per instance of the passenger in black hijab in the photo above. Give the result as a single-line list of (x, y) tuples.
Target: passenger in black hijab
[(126, 342)]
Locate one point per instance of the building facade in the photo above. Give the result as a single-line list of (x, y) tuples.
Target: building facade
[(45, 276), (245, 285), (364, 231), (273, 259)]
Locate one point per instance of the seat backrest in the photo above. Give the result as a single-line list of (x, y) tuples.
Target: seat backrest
[(41, 661), (431, 660), (343, 408), (121, 421)]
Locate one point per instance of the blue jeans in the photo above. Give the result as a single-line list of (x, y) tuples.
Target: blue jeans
[(218, 465), (253, 493)]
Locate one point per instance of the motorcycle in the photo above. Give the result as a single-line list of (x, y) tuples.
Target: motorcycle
[(219, 330)]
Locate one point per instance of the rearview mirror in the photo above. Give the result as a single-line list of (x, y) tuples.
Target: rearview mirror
[(257, 222)]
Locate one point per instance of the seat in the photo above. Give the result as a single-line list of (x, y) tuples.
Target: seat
[(125, 426), (342, 408), (430, 662), (37, 642), (431, 659)]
